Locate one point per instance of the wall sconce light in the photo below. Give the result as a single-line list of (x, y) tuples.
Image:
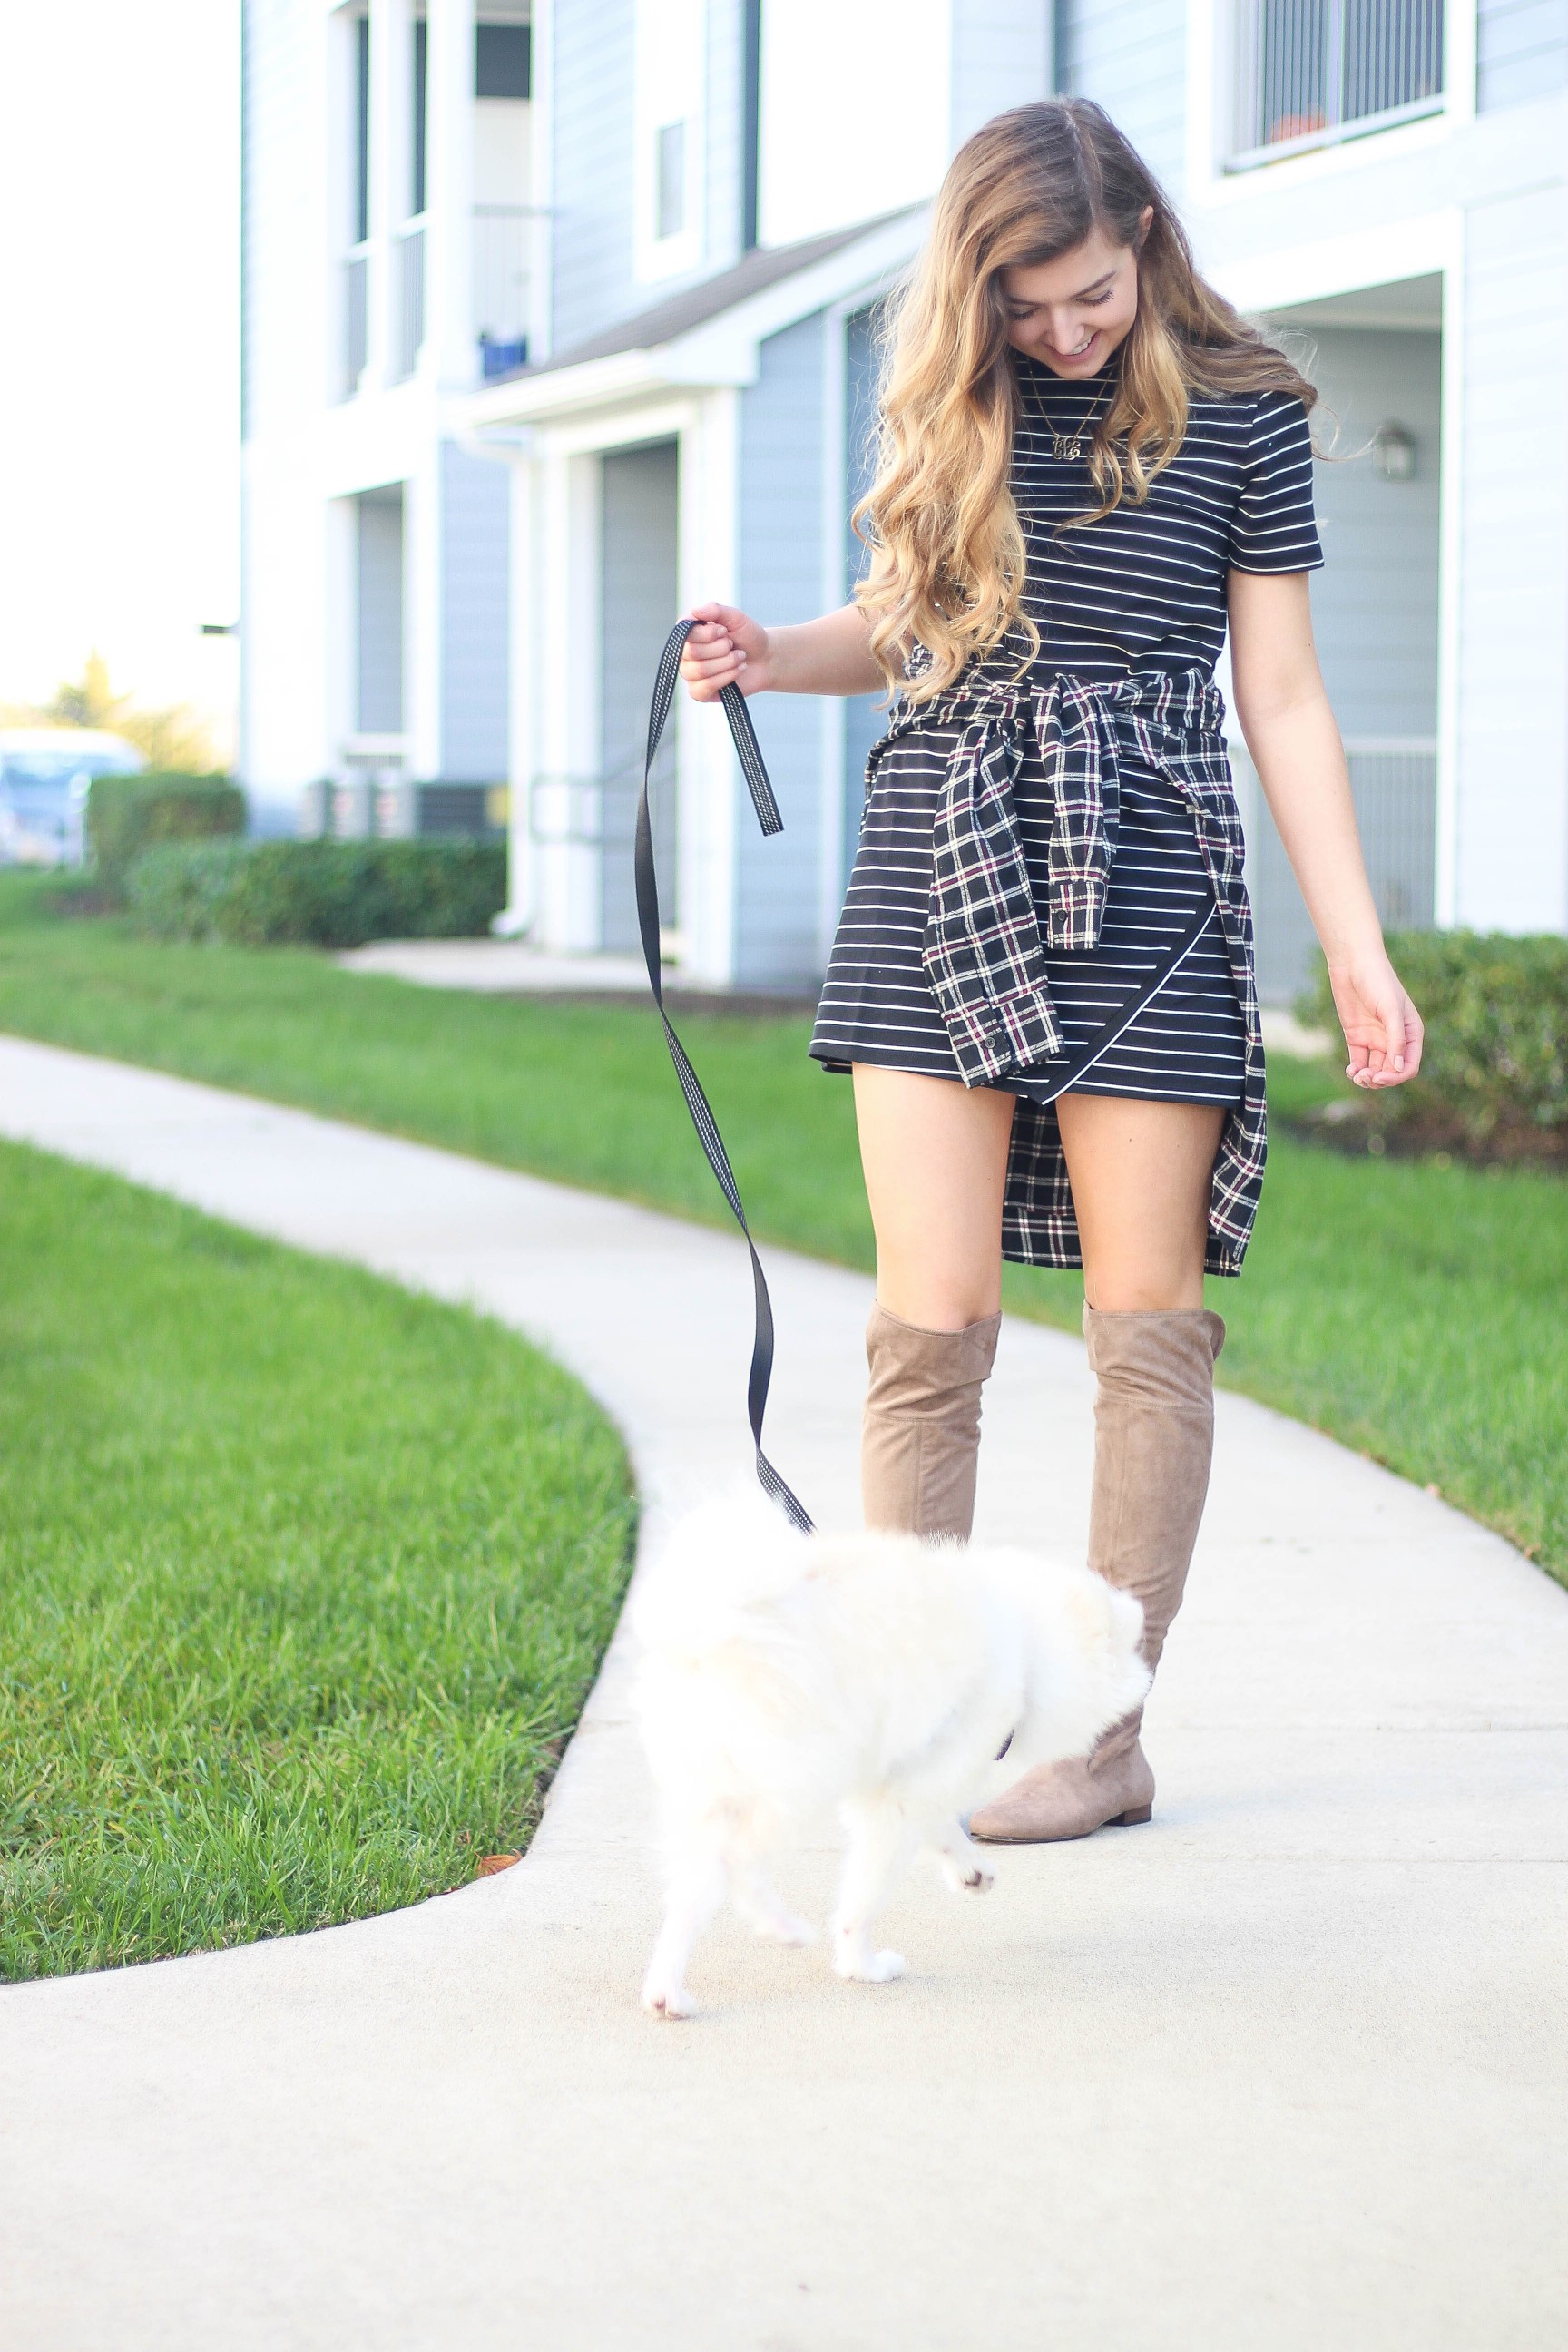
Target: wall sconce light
[(1394, 452)]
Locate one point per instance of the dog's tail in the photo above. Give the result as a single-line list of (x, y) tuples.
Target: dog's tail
[(717, 1567)]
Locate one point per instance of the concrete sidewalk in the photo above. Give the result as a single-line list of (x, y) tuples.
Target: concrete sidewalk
[(1285, 2069)]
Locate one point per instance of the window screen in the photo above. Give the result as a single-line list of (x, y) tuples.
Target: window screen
[(503, 61), (361, 130), (421, 74)]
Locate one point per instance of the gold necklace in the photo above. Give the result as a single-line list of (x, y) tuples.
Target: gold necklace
[(1070, 448)]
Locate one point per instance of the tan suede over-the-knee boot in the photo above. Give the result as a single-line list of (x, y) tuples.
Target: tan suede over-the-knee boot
[(920, 1438), (1154, 1419)]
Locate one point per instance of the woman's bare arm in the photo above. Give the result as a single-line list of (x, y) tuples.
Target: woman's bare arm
[(1300, 762), (830, 656)]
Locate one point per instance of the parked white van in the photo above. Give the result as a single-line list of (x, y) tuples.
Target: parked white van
[(45, 772)]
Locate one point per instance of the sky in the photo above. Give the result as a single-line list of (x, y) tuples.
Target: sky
[(120, 373), (118, 312)]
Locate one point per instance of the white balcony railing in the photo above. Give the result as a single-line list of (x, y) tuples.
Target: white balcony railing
[(410, 298), (356, 320), (1310, 72), (501, 238), (501, 296)]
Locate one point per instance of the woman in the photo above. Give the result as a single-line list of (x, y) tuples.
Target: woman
[(1043, 978)]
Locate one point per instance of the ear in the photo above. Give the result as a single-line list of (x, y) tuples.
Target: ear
[(1146, 222), (1104, 1614)]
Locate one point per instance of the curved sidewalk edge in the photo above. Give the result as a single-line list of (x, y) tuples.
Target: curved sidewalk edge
[(1286, 2067)]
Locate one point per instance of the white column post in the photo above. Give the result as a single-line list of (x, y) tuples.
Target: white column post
[(564, 681), (340, 634), (448, 356), (1450, 584), (391, 174), (423, 582), (710, 779), (523, 759)]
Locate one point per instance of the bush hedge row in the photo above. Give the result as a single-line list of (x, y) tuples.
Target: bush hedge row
[(128, 815), (327, 894), (1494, 1071)]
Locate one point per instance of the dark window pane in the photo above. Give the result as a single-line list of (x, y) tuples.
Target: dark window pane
[(750, 92), (421, 69), (361, 130), (503, 61)]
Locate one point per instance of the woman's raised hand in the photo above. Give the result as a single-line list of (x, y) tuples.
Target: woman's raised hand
[(725, 646), (1383, 1029)]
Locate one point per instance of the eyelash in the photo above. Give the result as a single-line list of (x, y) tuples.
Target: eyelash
[(1090, 302)]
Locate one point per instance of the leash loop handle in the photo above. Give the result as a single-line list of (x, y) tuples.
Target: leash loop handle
[(646, 879)]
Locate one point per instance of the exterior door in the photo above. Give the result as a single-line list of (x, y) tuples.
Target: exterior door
[(639, 516)]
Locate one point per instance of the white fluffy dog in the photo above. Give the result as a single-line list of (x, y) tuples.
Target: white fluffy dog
[(786, 1678)]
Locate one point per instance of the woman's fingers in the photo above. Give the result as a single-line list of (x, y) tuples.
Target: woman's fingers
[(718, 646), (727, 617), (1383, 1036), (711, 659), (714, 674), (1393, 1035), (707, 673)]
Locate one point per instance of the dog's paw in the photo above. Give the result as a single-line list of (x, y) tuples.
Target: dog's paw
[(968, 1875), (667, 2001), (787, 1930), (880, 1968), (860, 1966)]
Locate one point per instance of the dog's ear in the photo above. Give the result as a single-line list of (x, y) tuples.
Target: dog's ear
[(1105, 1616)]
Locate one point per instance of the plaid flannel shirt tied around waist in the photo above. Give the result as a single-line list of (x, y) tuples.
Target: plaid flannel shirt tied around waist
[(1061, 739)]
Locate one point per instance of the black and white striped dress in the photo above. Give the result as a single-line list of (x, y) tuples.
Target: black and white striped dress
[(1141, 592)]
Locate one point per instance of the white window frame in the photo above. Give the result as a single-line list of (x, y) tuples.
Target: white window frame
[(670, 68), (1209, 178)]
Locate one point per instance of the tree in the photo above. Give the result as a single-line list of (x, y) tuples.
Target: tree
[(174, 741), (90, 701)]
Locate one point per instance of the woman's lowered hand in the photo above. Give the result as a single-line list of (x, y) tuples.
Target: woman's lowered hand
[(725, 647), (1383, 1029)]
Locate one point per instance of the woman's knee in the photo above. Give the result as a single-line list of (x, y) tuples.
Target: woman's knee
[(1142, 1175)]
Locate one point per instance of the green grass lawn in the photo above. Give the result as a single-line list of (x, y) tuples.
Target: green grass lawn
[(302, 1581), (1418, 1312)]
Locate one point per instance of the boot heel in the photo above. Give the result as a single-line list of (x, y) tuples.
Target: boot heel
[(1134, 1814)]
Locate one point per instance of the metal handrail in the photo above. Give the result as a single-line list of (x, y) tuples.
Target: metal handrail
[(582, 801)]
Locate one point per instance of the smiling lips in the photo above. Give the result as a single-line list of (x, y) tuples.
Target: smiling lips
[(1085, 346)]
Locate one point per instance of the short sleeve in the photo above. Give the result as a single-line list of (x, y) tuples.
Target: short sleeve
[(1274, 527)]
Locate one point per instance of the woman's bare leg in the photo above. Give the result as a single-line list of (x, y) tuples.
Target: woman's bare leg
[(1141, 1174), (935, 1158)]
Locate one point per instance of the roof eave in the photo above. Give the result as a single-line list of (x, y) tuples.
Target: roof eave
[(723, 350)]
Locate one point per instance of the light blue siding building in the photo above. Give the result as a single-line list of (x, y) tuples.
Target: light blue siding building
[(621, 358)]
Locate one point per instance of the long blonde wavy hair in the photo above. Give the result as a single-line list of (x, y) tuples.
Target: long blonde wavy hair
[(946, 566)]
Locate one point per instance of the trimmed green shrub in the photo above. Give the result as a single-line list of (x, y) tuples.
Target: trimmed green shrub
[(127, 815), (1494, 1069), (326, 893)]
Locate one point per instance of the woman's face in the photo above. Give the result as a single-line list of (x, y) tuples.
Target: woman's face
[(1072, 313)]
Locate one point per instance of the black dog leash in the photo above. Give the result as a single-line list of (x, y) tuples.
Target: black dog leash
[(749, 753)]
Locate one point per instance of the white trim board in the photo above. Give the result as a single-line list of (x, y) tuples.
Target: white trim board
[(1374, 255)]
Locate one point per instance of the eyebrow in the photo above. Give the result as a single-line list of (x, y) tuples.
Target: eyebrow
[(1103, 279)]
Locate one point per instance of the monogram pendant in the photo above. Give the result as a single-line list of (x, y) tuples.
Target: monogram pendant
[(1068, 447)]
